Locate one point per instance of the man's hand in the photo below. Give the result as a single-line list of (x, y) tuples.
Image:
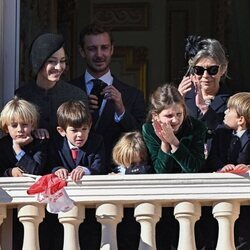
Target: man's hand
[(112, 94), (93, 103)]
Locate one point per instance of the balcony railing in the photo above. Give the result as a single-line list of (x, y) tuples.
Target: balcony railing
[(187, 193)]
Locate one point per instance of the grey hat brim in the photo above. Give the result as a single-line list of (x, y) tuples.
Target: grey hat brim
[(42, 48)]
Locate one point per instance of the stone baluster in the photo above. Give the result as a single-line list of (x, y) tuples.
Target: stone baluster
[(147, 214), (31, 215), (226, 212), (109, 215), (187, 213), (71, 221), (3, 214)]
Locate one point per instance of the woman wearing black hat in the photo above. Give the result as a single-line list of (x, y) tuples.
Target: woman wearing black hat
[(49, 91)]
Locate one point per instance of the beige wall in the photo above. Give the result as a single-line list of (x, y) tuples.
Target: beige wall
[(1, 51), (154, 39), (9, 49), (170, 22)]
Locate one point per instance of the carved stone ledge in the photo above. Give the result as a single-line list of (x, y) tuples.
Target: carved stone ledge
[(122, 16)]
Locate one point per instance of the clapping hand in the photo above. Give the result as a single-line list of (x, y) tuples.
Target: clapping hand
[(166, 134)]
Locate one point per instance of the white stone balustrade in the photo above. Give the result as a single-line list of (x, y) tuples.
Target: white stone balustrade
[(109, 215), (187, 213), (226, 212), (71, 221), (3, 213), (31, 215), (147, 214), (110, 194)]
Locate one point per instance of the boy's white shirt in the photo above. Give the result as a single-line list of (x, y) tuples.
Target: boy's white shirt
[(239, 133), (121, 169)]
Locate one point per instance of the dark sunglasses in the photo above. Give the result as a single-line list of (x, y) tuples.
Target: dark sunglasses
[(212, 70)]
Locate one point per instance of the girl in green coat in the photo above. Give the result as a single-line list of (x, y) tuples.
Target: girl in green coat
[(175, 141)]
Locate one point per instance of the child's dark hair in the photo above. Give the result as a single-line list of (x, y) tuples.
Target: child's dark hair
[(73, 113), (164, 96)]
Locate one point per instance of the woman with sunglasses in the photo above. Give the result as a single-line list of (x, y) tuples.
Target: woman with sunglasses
[(202, 87), (206, 98)]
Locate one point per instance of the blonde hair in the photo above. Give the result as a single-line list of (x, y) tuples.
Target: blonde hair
[(241, 103), (130, 146), (18, 110)]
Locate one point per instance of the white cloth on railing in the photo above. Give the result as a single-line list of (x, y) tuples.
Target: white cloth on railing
[(50, 189)]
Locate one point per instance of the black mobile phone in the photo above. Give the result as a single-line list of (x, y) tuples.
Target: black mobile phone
[(97, 89)]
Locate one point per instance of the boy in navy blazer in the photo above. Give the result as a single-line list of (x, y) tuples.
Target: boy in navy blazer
[(77, 151), (231, 143), (20, 151), (230, 151)]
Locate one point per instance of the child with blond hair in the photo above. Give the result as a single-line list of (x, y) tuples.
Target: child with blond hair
[(20, 151), (130, 154), (231, 143), (230, 152)]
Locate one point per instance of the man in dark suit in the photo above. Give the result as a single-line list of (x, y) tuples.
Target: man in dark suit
[(116, 107)]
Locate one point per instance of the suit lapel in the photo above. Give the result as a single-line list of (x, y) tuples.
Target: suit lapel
[(80, 82), (66, 154), (245, 139), (80, 157)]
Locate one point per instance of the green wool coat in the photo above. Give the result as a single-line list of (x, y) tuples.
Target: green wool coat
[(188, 158)]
